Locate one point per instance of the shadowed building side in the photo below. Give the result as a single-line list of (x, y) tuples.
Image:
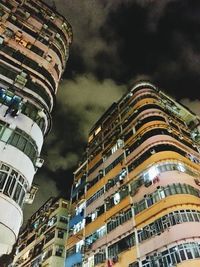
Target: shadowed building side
[(41, 242)]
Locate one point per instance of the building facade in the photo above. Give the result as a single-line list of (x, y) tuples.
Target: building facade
[(34, 42), (41, 242), (137, 192)]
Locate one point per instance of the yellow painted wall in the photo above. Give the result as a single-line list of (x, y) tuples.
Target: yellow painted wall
[(93, 226), (94, 160), (164, 155), (168, 210), (164, 204), (189, 263), (127, 257), (72, 240), (103, 181), (117, 208)]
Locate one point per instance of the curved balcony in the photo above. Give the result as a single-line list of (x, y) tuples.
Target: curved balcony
[(187, 230)]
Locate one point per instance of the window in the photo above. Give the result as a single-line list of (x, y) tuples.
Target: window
[(100, 257), (161, 224), (64, 204), (134, 264), (9, 186), (59, 251), (61, 234), (117, 197), (79, 246), (122, 245), (49, 236), (17, 192), (174, 255), (119, 220), (95, 196), (3, 177), (63, 219), (71, 251), (163, 192), (52, 221), (46, 254), (12, 184), (79, 226), (19, 139), (114, 163)]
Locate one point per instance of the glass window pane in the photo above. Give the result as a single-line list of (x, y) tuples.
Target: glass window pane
[(21, 199), (182, 254), (17, 193), (8, 183), (21, 143), (27, 149), (3, 176), (15, 139), (6, 134), (4, 167), (10, 190)]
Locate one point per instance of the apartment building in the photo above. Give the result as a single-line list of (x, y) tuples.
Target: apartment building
[(136, 194), (42, 240), (34, 44)]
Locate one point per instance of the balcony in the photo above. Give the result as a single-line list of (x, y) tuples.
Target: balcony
[(76, 219), (73, 259)]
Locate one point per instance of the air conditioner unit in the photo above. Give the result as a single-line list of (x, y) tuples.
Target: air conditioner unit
[(1, 39), (45, 26), (23, 74), (46, 38), (39, 162), (13, 17), (21, 79), (48, 58), (30, 196), (115, 259), (27, 14), (41, 114), (147, 258), (152, 151), (147, 183), (19, 34)]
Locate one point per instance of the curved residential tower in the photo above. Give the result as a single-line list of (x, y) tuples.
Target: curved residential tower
[(137, 193), (34, 43)]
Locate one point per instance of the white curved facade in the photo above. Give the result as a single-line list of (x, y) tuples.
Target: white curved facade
[(32, 60)]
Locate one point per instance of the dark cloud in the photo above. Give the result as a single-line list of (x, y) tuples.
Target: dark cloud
[(79, 104), (115, 42)]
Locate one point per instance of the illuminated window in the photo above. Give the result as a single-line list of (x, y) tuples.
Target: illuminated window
[(97, 130), (79, 226), (90, 138), (116, 198), (79, 246)]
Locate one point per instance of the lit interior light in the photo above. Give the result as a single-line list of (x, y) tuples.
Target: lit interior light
[(153, 172)]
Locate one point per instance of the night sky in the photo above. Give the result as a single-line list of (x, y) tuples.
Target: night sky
[(116, 42)]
